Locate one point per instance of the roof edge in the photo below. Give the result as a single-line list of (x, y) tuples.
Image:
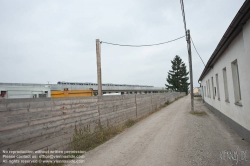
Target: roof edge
[(231, 33)]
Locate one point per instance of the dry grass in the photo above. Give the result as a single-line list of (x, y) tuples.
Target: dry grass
[(85, 140)]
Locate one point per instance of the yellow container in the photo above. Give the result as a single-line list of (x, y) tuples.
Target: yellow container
[(71, 93)]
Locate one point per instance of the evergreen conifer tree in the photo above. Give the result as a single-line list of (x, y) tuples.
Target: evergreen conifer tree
[(178, 76)]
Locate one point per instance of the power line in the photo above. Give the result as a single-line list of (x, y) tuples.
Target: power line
[(197, 51), (145, 45), (184, 21)]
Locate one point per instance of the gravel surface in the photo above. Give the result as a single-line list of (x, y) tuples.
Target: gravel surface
[(173, 136)]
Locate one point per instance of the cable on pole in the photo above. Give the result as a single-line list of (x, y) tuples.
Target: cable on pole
[(145, 45), (197, 51)]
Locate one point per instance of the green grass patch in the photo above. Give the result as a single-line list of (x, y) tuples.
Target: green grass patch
[(167, 103), (199, 113), (198, 98), (130, 123)]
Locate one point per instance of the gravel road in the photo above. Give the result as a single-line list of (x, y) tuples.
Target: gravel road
[(174, 137)]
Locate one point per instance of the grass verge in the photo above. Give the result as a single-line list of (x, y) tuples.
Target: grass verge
[(198, 98), (85, 140), (199, 113)]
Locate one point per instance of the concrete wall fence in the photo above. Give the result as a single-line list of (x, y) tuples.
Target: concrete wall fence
[(41, 124)]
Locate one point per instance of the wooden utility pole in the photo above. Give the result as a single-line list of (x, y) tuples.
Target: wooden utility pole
[(99, 70), (190, 69)]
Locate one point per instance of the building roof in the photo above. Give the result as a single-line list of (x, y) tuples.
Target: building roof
[(231, 33)]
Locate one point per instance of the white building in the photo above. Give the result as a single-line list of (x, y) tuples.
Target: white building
[(15, 92), (225, 80)]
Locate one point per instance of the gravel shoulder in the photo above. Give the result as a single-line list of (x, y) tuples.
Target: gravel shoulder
[(173, 136)]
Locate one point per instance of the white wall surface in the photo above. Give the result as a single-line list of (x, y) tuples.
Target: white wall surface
[(239, 49), (23, 92)]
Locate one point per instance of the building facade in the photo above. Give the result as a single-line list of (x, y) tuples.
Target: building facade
[(29, 90), (225, 81), (17, 92)]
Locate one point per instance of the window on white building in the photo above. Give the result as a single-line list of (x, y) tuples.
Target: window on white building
[(236, 82), (204, 91), (217, 84), (213, 89), (225, 84), (209, 88)]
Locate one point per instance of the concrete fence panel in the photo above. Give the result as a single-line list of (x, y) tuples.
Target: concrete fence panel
[(38, 124)]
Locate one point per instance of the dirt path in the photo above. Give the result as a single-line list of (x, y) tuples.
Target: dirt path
[(172, 136)]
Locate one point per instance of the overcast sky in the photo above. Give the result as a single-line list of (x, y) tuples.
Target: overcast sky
[(54, 40)]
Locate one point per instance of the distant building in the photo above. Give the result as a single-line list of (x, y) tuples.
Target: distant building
[(29, 90), (197, 91), (225, 81), (15, 92)]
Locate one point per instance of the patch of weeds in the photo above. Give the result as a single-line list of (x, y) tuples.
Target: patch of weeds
[(82, 138), (198, 98), (195, 95), (167, 103), (85, 140), (199, 113), (130, 123)]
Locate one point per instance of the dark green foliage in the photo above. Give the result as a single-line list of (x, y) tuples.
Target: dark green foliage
[(178, 76)]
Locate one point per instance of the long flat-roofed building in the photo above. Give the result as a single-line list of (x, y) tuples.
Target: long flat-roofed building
[(29, 90)]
